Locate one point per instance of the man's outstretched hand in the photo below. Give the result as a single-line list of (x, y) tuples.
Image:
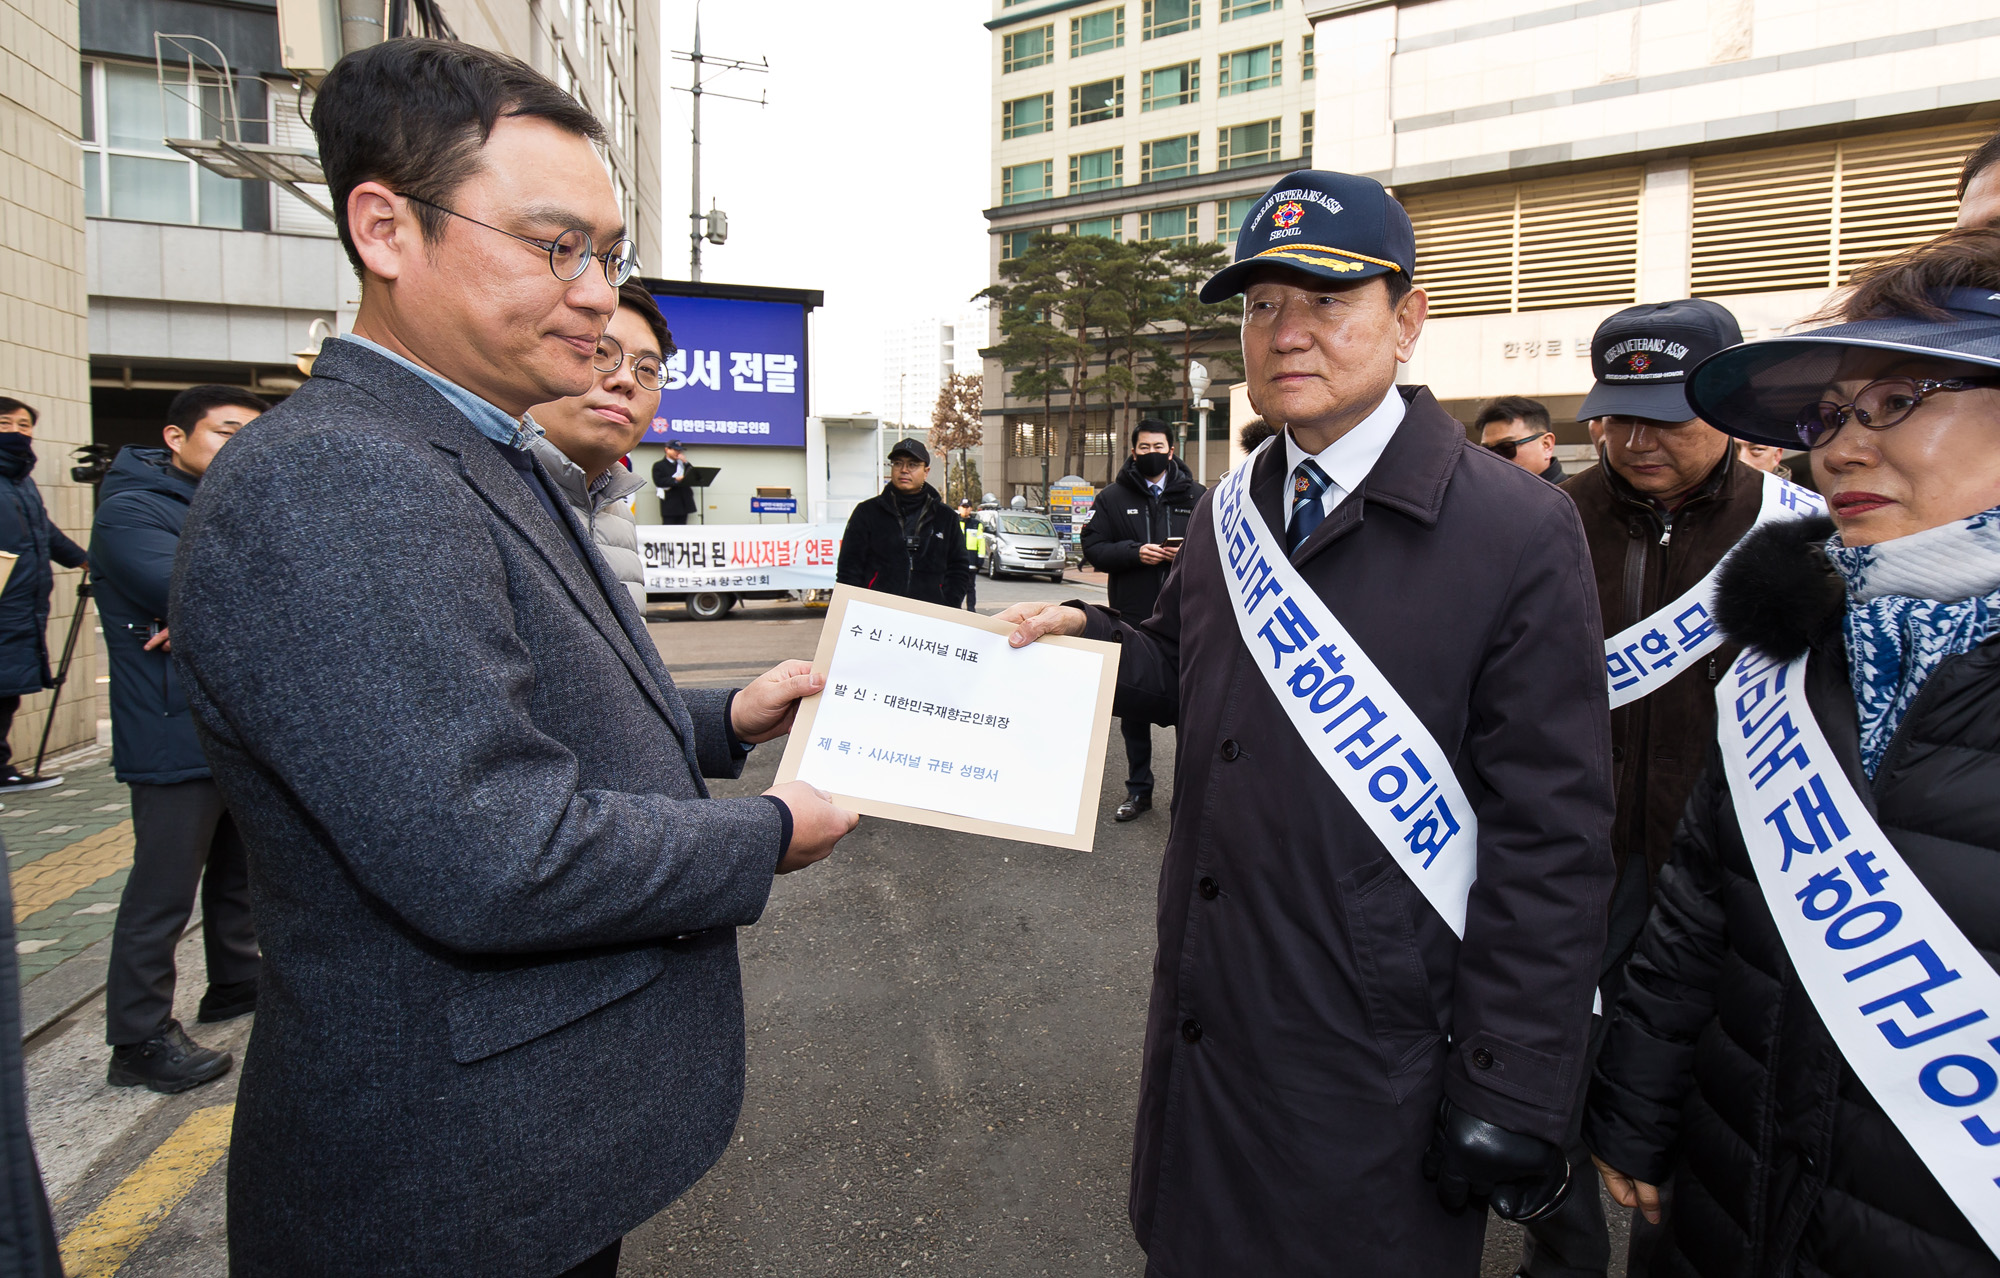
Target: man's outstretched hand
[(766, 707), (1521, 1176), (816, 823), (1033, 620)]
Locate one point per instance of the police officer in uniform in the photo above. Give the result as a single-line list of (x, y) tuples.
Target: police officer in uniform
[(975, 549), (1331, 1024)]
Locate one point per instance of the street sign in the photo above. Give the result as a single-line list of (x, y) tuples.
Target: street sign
[(774, 505)]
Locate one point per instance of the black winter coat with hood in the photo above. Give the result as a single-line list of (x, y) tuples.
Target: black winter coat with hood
[(1716, 1070), (140, 510), (27, 531), (1126, 516), (912, 548)]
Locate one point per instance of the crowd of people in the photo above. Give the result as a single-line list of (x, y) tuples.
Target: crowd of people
[(1473, 896)]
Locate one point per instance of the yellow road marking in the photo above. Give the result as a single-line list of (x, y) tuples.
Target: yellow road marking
[(67, 871), (144, 1200)]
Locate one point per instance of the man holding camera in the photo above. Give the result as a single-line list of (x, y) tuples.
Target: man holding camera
[(1135, 530), (183, 836)]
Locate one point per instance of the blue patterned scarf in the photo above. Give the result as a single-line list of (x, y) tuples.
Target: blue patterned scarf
[(1911, 603)]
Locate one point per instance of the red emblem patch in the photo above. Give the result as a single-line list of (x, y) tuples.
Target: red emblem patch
[(1288, 215), (1639, 362)]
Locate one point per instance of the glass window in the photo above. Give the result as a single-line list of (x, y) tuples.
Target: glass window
[(1229, 216), (1027, 526), (129, 171), (1031, 181), (1111, 228), (1177, 225), (1015, 244), (1306, 67), (1233, 9), (1096, 32), (1247, 70), (1246, 144), (1097, 170), (1033, 47), (1170, 86), (1169, 158), (1024, 116), (1169, 17), (1305, 135), (1102, 100)]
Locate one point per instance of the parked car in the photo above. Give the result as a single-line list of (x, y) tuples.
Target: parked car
[(1021, 542)]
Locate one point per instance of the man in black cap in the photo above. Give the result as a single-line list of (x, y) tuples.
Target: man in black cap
[(1381, 908), (1136, 526), (907, 541), (1668, 502), (670, 481)]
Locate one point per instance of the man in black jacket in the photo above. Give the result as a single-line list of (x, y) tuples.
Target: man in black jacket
[(25, 530), (670, 481), (183, 836), (1135, 530), (906, 541)]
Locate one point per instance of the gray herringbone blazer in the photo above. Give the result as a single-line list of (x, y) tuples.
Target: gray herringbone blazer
[(486, 1042)]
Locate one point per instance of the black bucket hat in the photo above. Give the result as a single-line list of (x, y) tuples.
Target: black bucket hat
[(1757, 391)]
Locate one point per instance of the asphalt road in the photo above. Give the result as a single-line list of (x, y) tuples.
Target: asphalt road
[(943, 1052)]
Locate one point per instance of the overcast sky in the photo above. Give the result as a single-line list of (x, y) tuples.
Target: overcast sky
[(864, 176)]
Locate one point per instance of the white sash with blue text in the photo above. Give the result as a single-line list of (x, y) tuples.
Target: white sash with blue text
[(1377, 752), (1910, 1002), (1641, 658)]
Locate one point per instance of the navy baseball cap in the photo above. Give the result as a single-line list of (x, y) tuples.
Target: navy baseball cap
[(1759, 390), (1333, 225), (912, 449), (1642, 356)]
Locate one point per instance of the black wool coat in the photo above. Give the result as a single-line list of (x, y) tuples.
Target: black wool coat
[(140, 510), (1126, 516), (26, 530), (876, 552), (1309, 1006), (1716, 1070)]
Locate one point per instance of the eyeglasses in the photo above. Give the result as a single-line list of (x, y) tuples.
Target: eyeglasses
[(649, 370), (1878, 405), (570, 253), (1508, 447)]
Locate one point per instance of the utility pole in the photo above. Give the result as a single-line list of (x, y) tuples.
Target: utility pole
[(712, 226)]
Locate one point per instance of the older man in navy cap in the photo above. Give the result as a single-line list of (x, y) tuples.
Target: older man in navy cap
[(1382, 903)]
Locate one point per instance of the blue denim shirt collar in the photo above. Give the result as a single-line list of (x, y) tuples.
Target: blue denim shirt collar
[(493, 422)]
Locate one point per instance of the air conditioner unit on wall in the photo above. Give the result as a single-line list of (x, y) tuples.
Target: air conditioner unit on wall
[(309, 37)]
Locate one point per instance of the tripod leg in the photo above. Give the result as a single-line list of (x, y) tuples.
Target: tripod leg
[(62, 669)]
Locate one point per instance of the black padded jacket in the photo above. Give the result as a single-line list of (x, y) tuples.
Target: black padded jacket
[(1716, 1071)]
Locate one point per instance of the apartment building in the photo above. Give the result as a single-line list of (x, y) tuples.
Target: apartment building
[(919, 355), (1141, 120)]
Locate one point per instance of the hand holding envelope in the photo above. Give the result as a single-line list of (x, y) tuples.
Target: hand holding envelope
[(929, 715)]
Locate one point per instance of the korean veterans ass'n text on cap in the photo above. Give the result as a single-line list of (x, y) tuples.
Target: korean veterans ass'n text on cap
[(1641, 358), (1333, 225)]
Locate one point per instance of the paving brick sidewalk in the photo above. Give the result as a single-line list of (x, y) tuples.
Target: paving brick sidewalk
[(68, 850)]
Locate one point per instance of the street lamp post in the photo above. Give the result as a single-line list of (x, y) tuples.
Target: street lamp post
[(1197, 381)]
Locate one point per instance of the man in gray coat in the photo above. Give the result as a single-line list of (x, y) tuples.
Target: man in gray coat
[(586, 437), (1381, 908), (500, 1022)]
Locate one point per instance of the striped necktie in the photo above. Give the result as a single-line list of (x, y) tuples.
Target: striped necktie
[(1309, 484)]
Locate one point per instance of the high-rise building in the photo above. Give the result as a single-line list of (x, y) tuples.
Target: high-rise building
[(919, 355), (1142, 120), (1559, 161)]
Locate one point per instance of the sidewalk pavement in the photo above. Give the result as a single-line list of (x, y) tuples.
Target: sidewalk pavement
[(68, 851)]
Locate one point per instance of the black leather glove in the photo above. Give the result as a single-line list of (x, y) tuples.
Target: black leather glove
[(1522, 1177)]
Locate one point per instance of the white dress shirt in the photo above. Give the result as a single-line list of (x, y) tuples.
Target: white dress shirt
[(1346, 460)]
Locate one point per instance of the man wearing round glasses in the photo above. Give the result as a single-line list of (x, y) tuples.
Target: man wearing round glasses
[(500, 1021), (585, 437)]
